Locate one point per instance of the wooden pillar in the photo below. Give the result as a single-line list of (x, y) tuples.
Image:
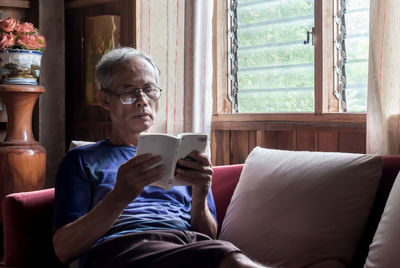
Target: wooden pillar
[(52, 114)]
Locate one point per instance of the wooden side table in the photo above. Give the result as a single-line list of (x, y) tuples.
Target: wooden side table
[(22, 158)]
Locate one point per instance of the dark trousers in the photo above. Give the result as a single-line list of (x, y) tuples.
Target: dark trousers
[(156, 249)]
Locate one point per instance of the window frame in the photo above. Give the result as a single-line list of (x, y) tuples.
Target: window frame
[(326, 105)]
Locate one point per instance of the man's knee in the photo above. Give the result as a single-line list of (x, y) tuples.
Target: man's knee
[(238, 259)]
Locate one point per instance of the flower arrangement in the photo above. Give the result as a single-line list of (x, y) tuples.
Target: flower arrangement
[(16, 35)]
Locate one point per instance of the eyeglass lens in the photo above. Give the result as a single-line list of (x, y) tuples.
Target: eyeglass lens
[(152, 94)]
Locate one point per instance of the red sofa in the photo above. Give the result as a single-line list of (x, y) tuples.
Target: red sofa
[(28, 217)]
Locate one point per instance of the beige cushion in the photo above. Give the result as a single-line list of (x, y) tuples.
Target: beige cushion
[(384, 250), (75, 143), (301, 209)]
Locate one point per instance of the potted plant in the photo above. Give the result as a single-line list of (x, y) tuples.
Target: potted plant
[(21, 49)]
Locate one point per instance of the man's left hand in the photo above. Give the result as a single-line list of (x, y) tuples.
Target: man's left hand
[(196, 172)]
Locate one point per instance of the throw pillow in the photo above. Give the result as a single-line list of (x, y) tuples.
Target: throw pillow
[(75, 143), (384, 250), (301, 209)]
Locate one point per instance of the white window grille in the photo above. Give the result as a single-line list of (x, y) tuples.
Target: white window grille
[(340, 53)]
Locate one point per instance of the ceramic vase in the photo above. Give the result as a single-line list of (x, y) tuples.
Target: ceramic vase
[(20, 66)]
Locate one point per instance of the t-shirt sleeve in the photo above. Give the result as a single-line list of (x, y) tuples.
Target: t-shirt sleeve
[(72, 190)]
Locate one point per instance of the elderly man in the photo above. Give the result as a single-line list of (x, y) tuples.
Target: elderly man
[(105, 211)]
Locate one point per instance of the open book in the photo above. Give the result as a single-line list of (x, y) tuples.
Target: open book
[(171, 148)]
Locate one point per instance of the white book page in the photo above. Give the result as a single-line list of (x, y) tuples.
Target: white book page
[(164, 145), (191, 141)]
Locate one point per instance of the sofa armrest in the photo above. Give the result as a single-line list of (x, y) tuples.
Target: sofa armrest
[(224, 183), (27, 219)]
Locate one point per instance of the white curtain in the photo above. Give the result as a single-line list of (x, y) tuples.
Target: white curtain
[(178, 35), (383, 118), (198, 60)]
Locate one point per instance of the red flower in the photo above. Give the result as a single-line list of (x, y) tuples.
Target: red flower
[(25, 28), (6, 41), (41, 40), (16, 35), (29, 41), (8, 25)]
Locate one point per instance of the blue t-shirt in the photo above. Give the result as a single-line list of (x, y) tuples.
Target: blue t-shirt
[(88, 173)]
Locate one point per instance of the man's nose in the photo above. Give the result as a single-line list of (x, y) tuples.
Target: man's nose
[(141, 99)]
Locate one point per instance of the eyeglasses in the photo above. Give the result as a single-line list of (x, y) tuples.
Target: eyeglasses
[(152, 93)]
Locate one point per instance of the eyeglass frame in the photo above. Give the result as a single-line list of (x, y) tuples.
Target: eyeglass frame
[(137, 91)]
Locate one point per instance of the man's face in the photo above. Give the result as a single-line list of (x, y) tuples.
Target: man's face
[(136, 117)]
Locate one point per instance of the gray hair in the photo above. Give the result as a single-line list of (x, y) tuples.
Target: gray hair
[(117, 56)]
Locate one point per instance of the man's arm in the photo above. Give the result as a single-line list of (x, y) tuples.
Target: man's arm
[(199, 175), (72, 240), (202, 220)]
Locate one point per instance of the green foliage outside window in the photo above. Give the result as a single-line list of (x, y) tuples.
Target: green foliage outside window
[(276, 70)]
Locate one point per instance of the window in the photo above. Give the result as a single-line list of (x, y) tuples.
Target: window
[(298, 55)]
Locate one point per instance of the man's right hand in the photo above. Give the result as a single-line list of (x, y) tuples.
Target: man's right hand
[(137, 173)]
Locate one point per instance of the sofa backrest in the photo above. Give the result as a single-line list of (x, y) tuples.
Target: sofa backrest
[(225, 179)]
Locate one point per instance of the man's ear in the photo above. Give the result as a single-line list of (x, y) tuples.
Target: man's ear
[(104, 99)]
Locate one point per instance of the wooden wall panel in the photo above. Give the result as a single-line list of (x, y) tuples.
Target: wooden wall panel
[(220, 147), (327, 141), (305, 140), (260, 137), (270, 140), (231, 143), (252, 140), (239, 146), (352, 142), (284, 140)]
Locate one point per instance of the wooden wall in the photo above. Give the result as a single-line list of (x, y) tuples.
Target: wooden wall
[(231, 142)]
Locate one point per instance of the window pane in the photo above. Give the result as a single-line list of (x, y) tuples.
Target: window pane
[(276, 70), (357, 39)]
